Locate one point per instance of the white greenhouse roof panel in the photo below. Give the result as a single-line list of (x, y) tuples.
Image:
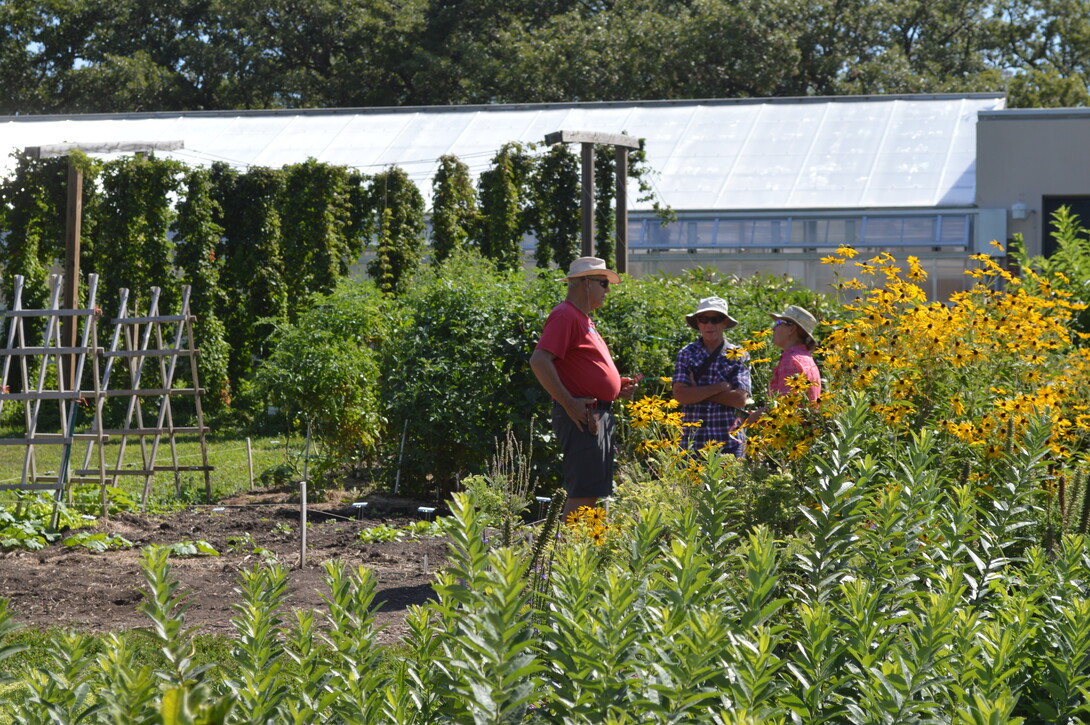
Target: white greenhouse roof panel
[(860, 152)]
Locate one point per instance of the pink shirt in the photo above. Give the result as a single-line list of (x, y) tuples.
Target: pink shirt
[(582, 359), (793, 361)]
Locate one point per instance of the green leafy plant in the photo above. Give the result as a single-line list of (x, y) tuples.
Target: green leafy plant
[(381, 533), (415, 530), (324, 370), (240, 542), (197, 237), (199, 547), (97, 542)]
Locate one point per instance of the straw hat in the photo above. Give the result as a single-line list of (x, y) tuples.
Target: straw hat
[(711, 304), (802, 318), (591, 267)]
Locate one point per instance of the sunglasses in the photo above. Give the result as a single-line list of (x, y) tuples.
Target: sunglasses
[(779, 323), (599, 280), (713, 320)]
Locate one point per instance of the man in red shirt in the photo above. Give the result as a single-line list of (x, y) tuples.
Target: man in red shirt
[(573, 364)]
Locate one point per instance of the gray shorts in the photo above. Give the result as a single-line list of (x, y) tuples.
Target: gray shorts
[(588, 458)]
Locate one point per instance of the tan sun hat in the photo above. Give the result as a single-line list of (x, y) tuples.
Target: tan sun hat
[(800, 317), (711, 304), (591, 267)]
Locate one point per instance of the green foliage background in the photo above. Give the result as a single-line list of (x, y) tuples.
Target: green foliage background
[(64, 56), (453, 374)]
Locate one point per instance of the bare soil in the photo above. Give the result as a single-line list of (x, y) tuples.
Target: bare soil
[(74, 588)]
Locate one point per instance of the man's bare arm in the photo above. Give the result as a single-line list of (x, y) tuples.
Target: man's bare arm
[(541, 362)]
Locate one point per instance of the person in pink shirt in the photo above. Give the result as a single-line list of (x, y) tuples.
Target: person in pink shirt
[(573, 364), (793, 332)]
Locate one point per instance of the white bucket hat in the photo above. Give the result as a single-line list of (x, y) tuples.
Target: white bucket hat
[(711, 304), (591, 267), (800, 317)]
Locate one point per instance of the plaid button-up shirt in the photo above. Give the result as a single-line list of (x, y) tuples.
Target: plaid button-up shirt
[(718, 422)]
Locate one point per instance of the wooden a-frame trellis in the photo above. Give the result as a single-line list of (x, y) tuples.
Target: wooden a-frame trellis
[(138, 340), (135, 340), (41, 387)]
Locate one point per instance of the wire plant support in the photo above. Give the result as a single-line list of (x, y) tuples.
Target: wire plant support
[(155, 342)]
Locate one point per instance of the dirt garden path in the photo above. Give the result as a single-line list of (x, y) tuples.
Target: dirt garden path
[(75, 588)]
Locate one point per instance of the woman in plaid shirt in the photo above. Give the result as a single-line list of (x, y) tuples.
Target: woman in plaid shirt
[(712, 381)]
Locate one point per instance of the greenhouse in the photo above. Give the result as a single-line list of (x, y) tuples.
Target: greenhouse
[(755, 184)]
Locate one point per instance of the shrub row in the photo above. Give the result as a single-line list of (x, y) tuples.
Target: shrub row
[(445, 363)]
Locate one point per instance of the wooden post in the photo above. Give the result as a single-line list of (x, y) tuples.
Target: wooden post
[(73, 223), (250, 462), (303, 523), (622, 143), (303, 503), (587, 199), (621, 233)]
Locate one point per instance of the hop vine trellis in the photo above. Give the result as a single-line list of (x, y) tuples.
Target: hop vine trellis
[(253, 245)]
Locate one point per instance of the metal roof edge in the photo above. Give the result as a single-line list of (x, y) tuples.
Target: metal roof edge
[(796, 212), (1018, 114), (498, 107)]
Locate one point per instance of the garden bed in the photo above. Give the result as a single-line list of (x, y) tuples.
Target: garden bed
[(73, 587)]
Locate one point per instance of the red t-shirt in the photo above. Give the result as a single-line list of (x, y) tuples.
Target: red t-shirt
[(582, 359)]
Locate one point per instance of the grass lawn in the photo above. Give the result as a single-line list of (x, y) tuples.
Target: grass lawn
[(226, 454)]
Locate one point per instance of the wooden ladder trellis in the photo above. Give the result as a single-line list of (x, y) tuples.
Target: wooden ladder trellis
[(137, 335), (52, 352), (135, 340)]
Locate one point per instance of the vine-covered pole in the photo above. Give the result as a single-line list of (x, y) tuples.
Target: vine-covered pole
[(622, 143), (74, 216)]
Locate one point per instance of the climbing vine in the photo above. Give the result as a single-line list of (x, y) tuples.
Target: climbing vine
[(398, 207), (34, 201), (555, 208), (454, 208), (504, 197), (135, 250), (196, 236), (605, 196), (253, 271), (314, 218)]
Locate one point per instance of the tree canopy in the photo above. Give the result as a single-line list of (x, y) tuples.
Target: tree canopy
[(76, 56)]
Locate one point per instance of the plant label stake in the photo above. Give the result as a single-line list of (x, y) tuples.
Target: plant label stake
[(542, 502), (401, 456), (359, 506)]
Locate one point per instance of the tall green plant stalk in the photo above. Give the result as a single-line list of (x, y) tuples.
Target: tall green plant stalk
[(136, 250), (186, 693), (356, 679), (832, 515), (539, 570), (253, 267), (259, 690), (489, 663), (314, 212), (554, 214)]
